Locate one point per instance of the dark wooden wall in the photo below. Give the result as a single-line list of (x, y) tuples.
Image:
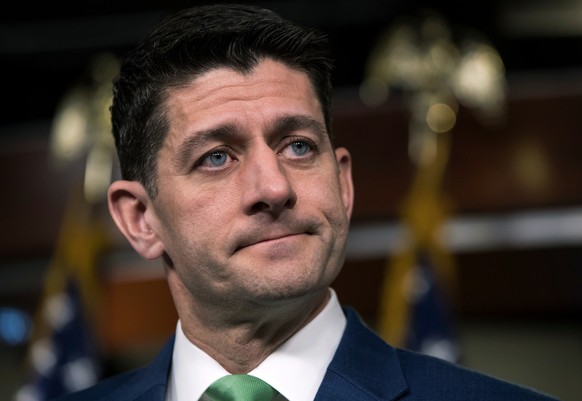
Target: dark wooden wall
[(533, 161)]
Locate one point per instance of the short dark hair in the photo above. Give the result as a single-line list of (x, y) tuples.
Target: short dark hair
[(189, 43)]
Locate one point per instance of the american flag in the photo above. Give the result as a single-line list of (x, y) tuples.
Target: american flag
[(63, 354), (66, 359)]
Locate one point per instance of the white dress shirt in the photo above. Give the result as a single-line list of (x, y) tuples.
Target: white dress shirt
[(296, 369)]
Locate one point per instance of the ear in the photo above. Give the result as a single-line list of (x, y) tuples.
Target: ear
[(131, 209), (344, 162)]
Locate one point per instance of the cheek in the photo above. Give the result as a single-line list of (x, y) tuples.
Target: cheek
[(326, 189), (324, 196), (203, 204), (193, 220)]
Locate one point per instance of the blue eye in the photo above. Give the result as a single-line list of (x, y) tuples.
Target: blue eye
[(217, 159), (300, 147)]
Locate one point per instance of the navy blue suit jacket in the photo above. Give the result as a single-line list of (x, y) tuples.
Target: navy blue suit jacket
[(364, 368)]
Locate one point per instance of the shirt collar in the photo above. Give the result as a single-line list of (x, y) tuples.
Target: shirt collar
[(301, 359)]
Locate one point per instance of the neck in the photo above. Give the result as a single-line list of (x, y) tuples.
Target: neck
[(240, 338)]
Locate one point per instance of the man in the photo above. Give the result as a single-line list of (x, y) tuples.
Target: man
[(222, 123)]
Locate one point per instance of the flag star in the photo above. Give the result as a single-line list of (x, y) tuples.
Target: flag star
[(59, 310), (79, 374), (44, 356)]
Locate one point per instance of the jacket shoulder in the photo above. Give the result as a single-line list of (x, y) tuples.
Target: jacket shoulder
[(440, 379), (143, 384), (368, 368), (104, 389)]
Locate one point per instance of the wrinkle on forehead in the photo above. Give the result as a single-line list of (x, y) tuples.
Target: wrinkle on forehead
[(221, 83), (224, 84), (226, 96)]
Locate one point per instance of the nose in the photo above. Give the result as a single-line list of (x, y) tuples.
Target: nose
[(265, 182)]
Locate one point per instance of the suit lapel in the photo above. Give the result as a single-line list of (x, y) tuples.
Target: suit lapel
[(155, 377), (149, 383), (364, 367)]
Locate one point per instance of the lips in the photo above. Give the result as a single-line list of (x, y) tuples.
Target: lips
[(254, 240), (262, 234)]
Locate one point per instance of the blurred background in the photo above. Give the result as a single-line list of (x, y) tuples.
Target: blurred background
[(464, 122)]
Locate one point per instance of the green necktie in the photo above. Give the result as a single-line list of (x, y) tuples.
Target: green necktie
[(240, 388)]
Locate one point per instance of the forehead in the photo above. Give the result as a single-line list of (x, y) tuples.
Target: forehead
[(225, 95)]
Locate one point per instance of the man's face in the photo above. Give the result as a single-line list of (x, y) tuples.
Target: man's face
[(253, 203)]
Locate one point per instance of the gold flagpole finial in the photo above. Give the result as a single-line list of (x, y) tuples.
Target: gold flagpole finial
[(82, 129)]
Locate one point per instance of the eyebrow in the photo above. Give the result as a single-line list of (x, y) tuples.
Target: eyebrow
[(298, 122), (200, 138), (222, 133)]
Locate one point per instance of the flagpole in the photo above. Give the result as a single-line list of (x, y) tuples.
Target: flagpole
[(435, 75), (64, 352)]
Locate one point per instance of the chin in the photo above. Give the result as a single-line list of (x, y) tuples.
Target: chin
[(293, 287)]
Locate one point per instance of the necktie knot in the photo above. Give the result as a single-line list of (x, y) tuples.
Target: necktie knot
[(240, 388)]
